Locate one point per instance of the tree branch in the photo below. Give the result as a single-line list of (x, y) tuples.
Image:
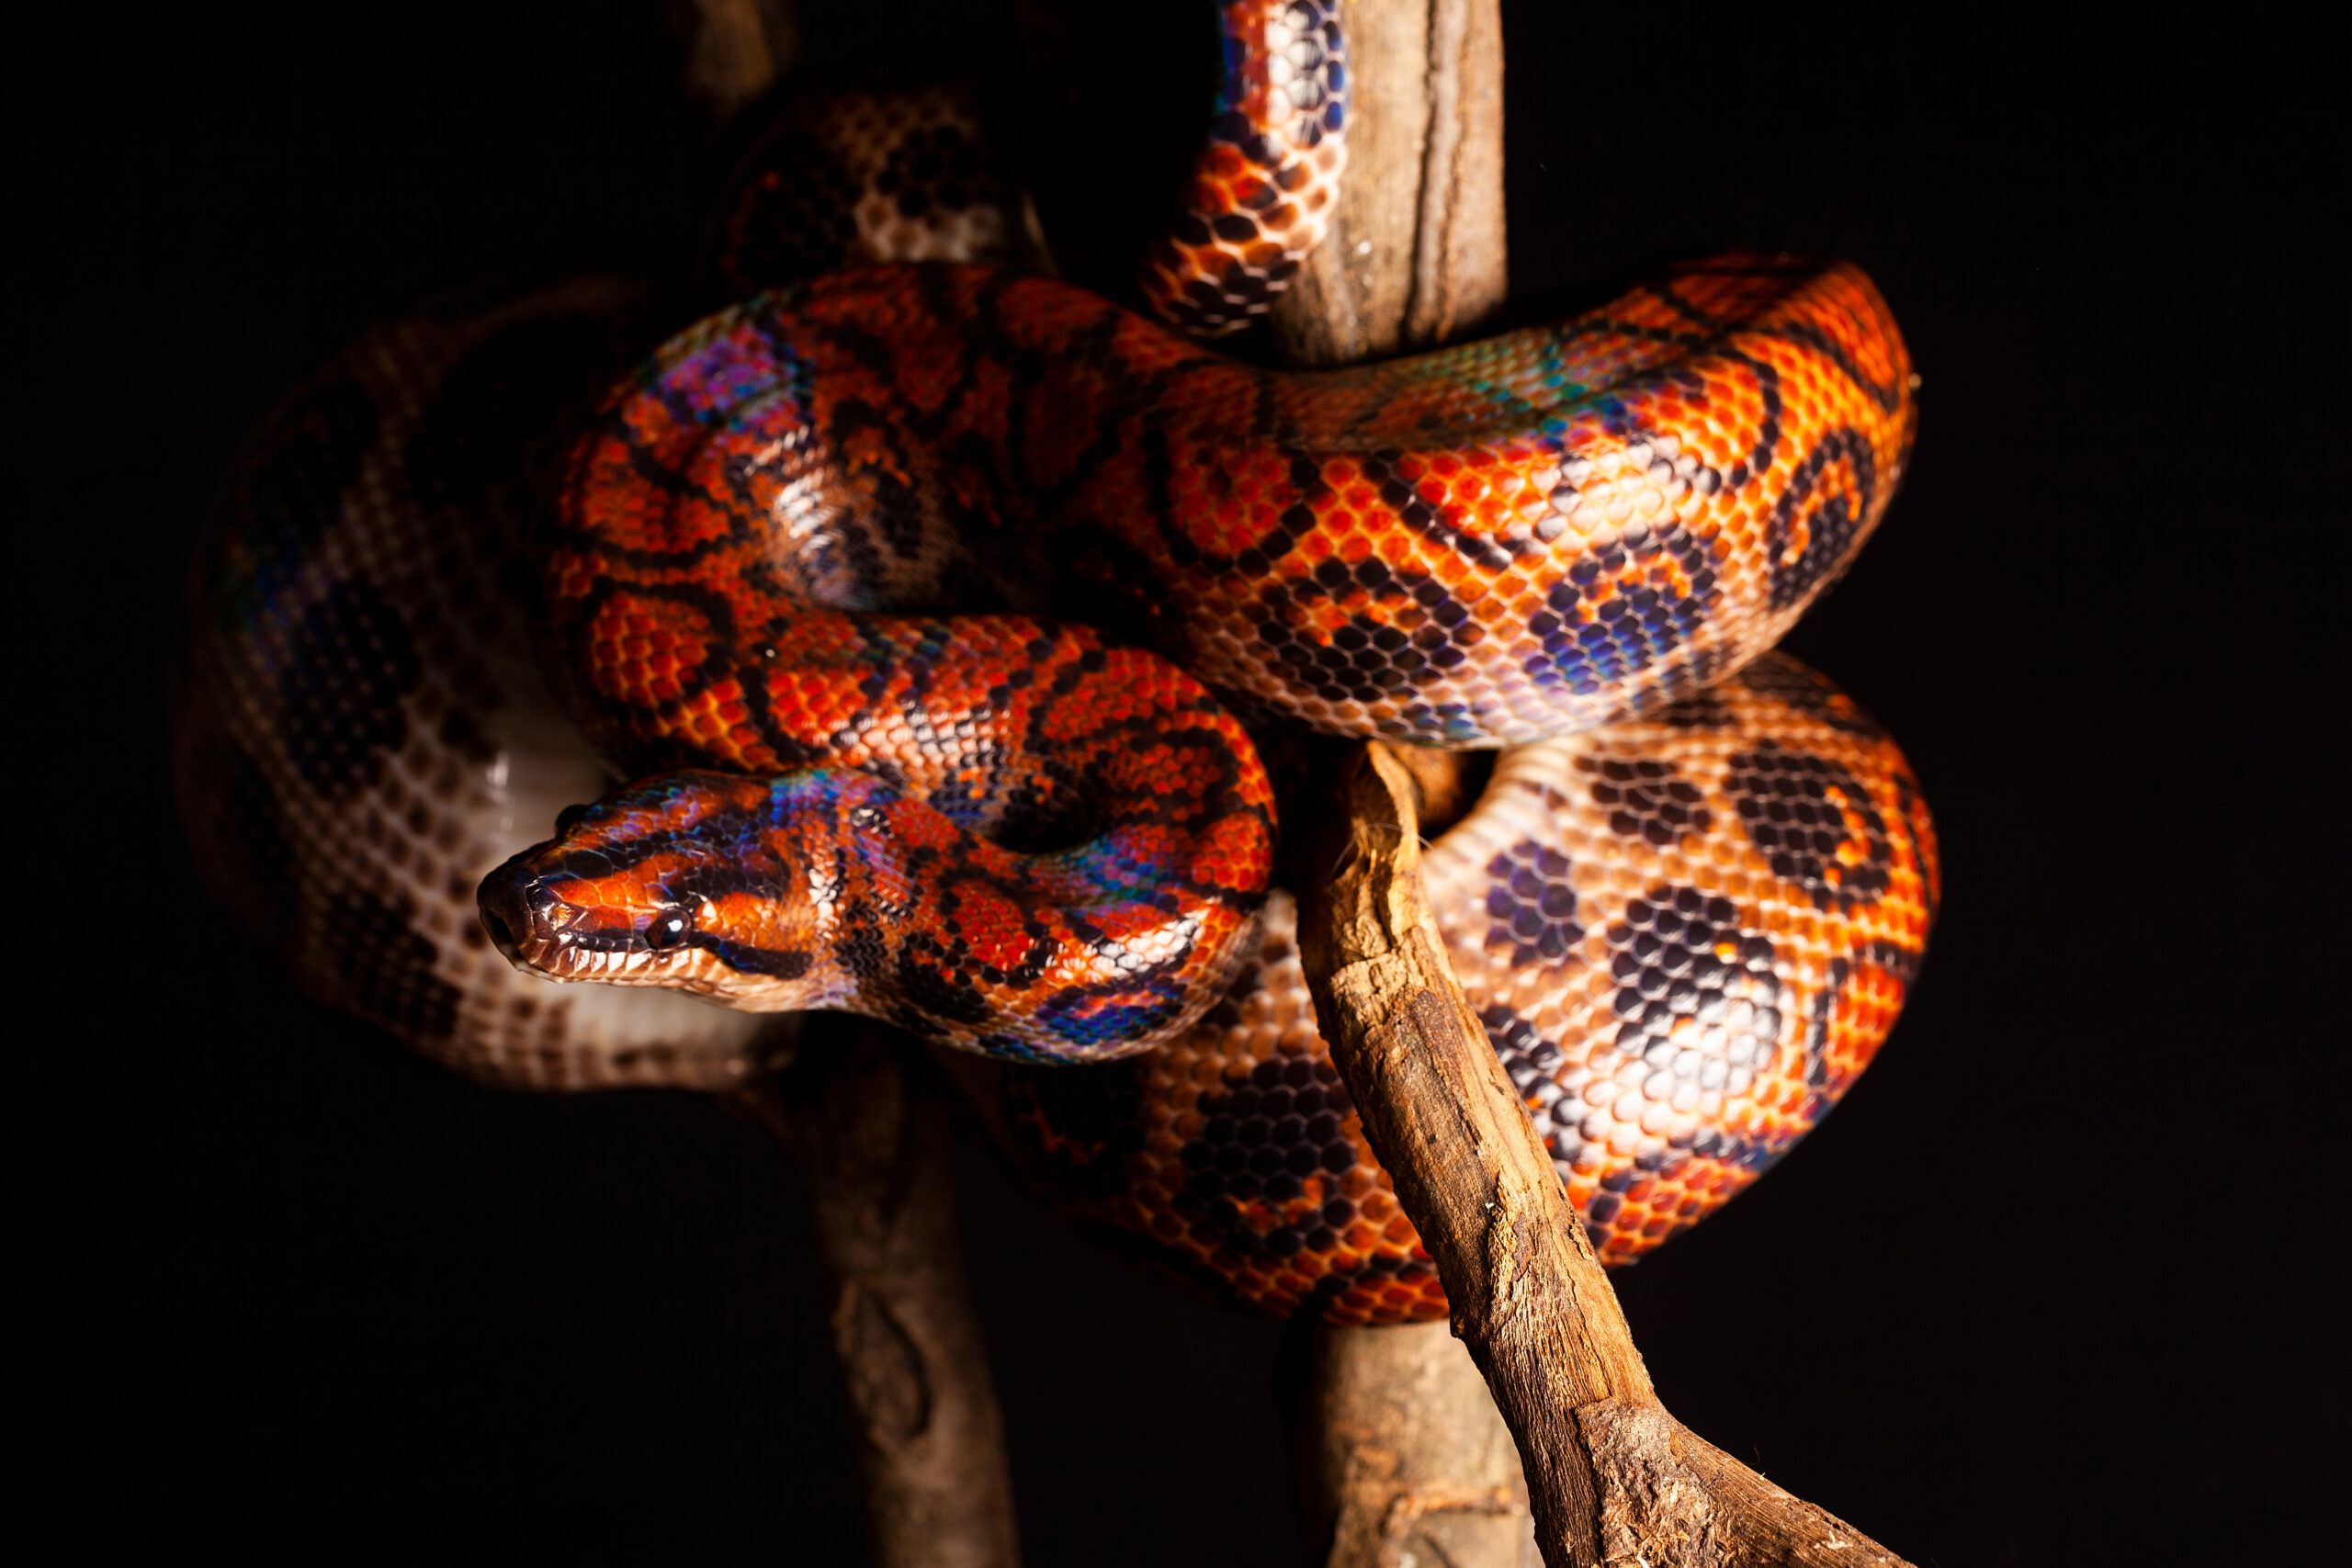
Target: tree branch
[(1416, 256), (1611, 1478), (859, 1114), (1404, 1456), (737, 50)]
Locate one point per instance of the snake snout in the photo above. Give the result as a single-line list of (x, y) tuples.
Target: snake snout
[(521, 914)]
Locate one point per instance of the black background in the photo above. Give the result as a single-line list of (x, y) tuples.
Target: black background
[(2058, 1281)]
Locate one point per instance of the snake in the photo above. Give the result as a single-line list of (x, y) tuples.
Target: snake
[(903, 637)]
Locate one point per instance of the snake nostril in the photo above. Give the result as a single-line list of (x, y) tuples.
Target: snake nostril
[(511, 901), (541, 906)]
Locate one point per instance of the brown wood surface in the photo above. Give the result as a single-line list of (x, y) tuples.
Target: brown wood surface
[(1405, 1461), (860, 1113), (737, 50), (1416, 256), (1611, 1478), (1403, 1456)]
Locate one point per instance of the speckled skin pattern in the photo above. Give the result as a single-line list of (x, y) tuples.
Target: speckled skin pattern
[(903, 175), (866, 175), (1260, 195), (1537, 532), (363, 733), (1686, 934), (1486, 544), (1688, 923)]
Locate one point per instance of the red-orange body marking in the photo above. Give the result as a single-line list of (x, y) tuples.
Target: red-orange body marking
[(1518, 538), (825, 574)]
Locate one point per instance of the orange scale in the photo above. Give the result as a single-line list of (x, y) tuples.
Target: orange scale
[(994, 928)]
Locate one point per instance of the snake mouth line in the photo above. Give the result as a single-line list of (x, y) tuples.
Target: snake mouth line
[(538, 932)]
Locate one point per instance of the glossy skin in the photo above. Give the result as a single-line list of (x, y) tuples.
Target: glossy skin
[(363, 731), (1260, 195), (1517, 538), (1521, 537), (852, 175), (826, 887), (1686, 936), (843, 177), (1549, 531)]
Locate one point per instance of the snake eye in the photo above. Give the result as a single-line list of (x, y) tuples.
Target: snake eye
[(670, 928), (567, 818)]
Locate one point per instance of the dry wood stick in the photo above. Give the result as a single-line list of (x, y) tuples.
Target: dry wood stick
[(1416, 256), (737, 50), (1403, 1456), (1612, 1477), (865, 1123)]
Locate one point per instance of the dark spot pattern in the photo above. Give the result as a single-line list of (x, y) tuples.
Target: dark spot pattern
[(1829, 497), (1261, 1139), (939, 168), (1679, 954), (1207, 289), (1602, 627), (1809, 693), (1365, 658), (1646, 799), (1530, 907), (386, 969), (294, 490), (1814, 821), (349, 665), (1532, 1063), (1702, 710)]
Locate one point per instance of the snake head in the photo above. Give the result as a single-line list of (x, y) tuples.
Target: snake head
[(682, 880)]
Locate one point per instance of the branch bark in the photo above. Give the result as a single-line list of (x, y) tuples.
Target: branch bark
[(1416, 258), (1415, 254), (1407, 1460), (737, 50), (863, 1121), (860, 1113), (1403, 1455), (1611, 1478)]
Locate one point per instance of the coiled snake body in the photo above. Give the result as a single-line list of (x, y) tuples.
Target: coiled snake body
[(1688, 922)]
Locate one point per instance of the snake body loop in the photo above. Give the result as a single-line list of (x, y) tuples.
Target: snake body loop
[(924, 606), (1517, 538)]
